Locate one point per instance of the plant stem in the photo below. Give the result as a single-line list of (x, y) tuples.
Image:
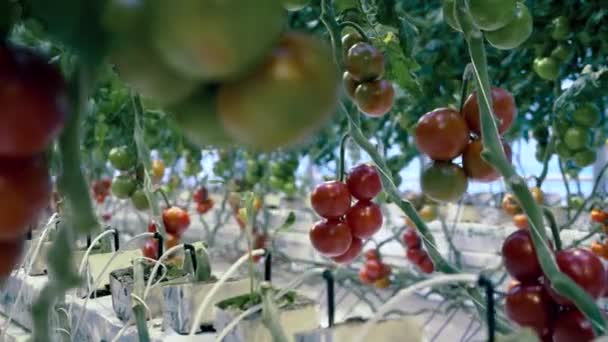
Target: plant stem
[(328, 18), (546, 158), (495, 155), (356, 27), (342, 160), (554, 230)]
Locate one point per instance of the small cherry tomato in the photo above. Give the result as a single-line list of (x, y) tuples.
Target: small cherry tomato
[(442, 134), (123, 186), (416, 255), (364, 182), (171, 241), (504, 109), (331, 238), (375, 269), (411, 239), (599, 215), (428, 212), (351, 254), (371, 254), (519, 257), (546, 68), (375, 98), (364, 219), (572, 326), (426, 265), (350, 39), (364, 62), (152, 228), (150, 249), (364, 277), (538, 195), (515, 33), (350, 84), (491, 15), (200, 195), (121, 158), (140, 200), (176, 220), (158, 168), (331, 199), (529, 306), (521, 221)]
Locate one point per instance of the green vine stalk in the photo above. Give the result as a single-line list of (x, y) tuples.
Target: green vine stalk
[(494, 154)]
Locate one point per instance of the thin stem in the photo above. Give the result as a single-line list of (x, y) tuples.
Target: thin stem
[(164, 196), (356, 27), (554, 230), (567, 187), (466, 76), (327, 17), (546, 158), (589, 199), (342, 160)]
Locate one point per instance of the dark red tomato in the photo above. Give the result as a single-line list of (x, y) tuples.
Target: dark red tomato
[(371, 254), (350, 39), (352, 253), (478, 169), (33, 102), (585, 268), (364, 219), (364, 277), (106, 184), (411, 239), (504, 107), (331, 238), (150, 249), (10, 254), (426, 265), (364, 182), (176, 220), (330, 200), (350, 84), (442, 134), (572, 326), (152, 228), (375, 98), (520, 257), (365, 62), (443, 181), (529, 306), (416, 255), (374, 269), (200, 195), (25, 190)]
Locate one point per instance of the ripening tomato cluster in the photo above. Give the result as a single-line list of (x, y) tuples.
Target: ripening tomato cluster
[(33, 108), (547, 66), (506, 24), (362, 79), (511, 206), (101, 189), (445, 134), (204, 203), (532, 302), (125, 185), (345, 226), (415, 253), (374, 271), (150, 248), (576, 142)]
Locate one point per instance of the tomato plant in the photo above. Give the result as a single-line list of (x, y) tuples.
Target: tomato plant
[(492, 15), (123, 186), (442, 134), (571, 325), (121, 158)]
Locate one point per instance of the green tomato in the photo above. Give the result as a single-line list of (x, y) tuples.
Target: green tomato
[(576, 138), (562, 52), (123, 186), (584, 157), (513, 34), (449, 14), (491, 15), (140, 200), (216, 40), (198, 120), (295, 5), (444, 181), (587, 115), (546, 68), (560, 28), (576, 202), (121, 158), (563, 151)]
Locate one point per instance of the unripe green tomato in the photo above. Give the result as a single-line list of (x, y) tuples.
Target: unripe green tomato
[(295, 5), (584, 157), (449, 14), (576, 202), (491, 15), (587, 115), (562, 150), (140, 200), (123, 186), (576, 138), (560, 28), (515, 32), (546, 68), (562, 52), (121, 158)]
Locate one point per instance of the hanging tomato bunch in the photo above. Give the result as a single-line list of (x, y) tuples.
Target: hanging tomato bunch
[(576, 142), (128, 183), (345, 226), (204, 203), (363, 76), (445, 134), (33, 106), (415, 253)]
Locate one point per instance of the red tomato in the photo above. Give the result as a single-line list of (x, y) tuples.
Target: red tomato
[(33, 102), (364, 277), (331, 238), (477, 168), (204, 206), (416, 255), (330, 200), (364, 219), (10, 254), (200, 195), (364, 182), (426, 265), (375, 269), (572, 326), (364, 62), (599, 215), (371, 254), (152, 228), (375, 98), (176, 220), (504, 109), (150, 249), (25, 191), (585, 268), (411, 239), (442, 134), (520, 257), (351, 254), (529, 306)]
